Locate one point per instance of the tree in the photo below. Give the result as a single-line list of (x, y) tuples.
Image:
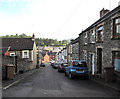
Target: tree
[(40, 41)]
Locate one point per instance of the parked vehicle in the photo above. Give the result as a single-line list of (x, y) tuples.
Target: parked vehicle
[(62, 66), (42, 65), (52, 62), (76, 68), (55, 65)]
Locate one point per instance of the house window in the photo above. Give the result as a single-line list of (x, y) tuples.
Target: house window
[(12, 54), (85, 39), (25, 54), (100, 34), (92, 36), (116, 60), (116, 28)]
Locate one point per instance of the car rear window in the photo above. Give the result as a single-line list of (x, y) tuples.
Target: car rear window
[(65, 65), (79, 64)]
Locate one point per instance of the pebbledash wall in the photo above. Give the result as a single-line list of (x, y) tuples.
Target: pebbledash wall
[(104, 51)]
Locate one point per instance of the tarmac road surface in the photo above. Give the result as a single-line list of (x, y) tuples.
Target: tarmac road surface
[(48, 82)]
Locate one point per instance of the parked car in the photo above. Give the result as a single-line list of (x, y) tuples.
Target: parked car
[(76, 68), (62, 66), (52, 62), (42, 65), (55, 65)]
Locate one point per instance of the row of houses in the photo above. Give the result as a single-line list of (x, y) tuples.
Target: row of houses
[(99, 44)]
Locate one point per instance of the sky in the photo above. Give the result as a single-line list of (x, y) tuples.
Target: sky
[(56, 19)]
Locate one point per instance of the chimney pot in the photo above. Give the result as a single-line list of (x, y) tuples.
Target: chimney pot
[(33, 37), (103, 12)]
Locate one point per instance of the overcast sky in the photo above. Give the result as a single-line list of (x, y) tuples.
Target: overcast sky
[(56, 19)]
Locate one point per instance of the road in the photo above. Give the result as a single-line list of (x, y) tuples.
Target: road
[(48, 82)]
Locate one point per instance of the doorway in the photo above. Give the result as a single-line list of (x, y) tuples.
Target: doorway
[(99, 60), (92, 64)]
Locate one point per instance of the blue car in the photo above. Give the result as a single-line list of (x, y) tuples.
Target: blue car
[(76, 68)]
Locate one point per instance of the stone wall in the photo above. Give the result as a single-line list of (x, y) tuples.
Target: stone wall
[(22, 64), (6, 60)]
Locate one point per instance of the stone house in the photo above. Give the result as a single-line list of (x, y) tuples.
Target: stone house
[(47, 55), (64, 55), (59, 56), (24, 52), (100, 43), (69, 52), (46, 58), (75, 49)]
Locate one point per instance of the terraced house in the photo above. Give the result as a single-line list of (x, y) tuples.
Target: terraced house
[(100, 43), (69, 51), (75, 49), (24, 52)]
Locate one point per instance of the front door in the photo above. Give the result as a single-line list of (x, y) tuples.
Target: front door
[(92, 64), (16, 70), (99, 60)]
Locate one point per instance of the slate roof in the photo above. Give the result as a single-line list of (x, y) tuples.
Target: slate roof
[(43, 53), (18, 44), (75, 41), (103, 18)]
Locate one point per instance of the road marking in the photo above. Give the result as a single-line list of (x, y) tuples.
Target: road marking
[(12, 84)]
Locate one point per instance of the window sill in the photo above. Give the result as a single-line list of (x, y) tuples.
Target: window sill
[(30, 60), (85, 44), (92, 42), (25, 58), (115, 38)]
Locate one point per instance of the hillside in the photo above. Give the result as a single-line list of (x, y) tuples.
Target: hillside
[(40, 41)]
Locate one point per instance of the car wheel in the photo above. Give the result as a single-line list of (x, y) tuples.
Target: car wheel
[(70, 76), (87, 77), (65, 74)]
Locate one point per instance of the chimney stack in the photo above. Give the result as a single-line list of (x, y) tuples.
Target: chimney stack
[(103, 12), (33, 37)]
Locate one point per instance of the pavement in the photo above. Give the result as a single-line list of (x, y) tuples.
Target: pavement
[(113, 85), (19, 77)]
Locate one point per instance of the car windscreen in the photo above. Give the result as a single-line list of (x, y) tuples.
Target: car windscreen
[(80, 64)]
